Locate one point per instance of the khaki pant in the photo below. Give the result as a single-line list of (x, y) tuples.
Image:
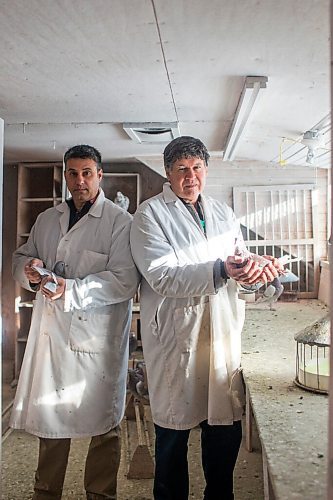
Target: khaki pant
[(100, 475)]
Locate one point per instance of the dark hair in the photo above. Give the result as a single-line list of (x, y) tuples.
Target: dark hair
[(184, 147), (84, 151)]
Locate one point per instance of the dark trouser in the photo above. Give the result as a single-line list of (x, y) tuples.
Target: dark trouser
[(100, 476), (219, 445)]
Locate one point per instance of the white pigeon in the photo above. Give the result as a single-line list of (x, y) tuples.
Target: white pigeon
[(121, 200)]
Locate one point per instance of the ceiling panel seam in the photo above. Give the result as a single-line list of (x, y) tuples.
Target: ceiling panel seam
[(164, 59)]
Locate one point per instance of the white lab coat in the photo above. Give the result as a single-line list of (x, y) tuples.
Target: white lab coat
[(73, 377), (191, 331)]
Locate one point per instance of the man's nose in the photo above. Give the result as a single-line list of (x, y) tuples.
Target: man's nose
[(190, 174), (79, 179)]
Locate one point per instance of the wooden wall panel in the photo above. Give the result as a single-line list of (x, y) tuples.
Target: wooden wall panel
[(9, 245), (224, 176)]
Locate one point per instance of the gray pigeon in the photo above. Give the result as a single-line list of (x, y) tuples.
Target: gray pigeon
[(272, 293), (137, 381), (288, 277)]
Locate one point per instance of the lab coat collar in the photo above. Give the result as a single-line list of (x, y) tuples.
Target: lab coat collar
[(170, 197), (168, 194), (96, 211)]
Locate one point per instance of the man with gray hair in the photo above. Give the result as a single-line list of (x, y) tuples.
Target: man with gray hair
[(186, 247)]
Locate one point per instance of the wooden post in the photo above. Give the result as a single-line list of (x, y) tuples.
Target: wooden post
[(1, 198), (330, 422)]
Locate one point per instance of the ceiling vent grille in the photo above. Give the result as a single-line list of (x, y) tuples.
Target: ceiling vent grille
[(152, 132)]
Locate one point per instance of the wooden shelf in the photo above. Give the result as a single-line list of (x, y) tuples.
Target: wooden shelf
[(37, 199), (39, 188)]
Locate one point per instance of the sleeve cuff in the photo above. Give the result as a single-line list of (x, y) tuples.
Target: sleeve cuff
[(219, 279), (34, 286), (222, 271)]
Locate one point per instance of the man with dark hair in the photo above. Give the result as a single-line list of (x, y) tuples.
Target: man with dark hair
[(186, 247), (73, 377)]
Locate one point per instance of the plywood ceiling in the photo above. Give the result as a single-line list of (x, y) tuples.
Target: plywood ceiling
[(73, 71)]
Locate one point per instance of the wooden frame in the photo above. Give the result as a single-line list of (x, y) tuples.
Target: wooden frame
[(128, 184), (282, 220)]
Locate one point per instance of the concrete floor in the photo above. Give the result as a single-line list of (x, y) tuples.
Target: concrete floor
[(19, 458), (19, 450)]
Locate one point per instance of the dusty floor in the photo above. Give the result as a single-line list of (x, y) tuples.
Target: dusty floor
[(19, 458), (19, 454)]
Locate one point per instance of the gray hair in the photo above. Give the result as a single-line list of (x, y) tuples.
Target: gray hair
[(184, 147)]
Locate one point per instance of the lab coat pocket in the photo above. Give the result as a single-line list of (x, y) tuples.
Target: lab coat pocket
[(90, 263), (187, 325), (237, 390), (88, 331)]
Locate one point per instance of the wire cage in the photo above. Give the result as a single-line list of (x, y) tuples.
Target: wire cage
[(313, 355)]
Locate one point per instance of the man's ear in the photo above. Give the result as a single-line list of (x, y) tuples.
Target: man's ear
[(167, 175), (100, 174)]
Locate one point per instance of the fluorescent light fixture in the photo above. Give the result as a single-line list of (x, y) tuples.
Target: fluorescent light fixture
[(247, 100), (313, 148), (313, 139), (152, 132)]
